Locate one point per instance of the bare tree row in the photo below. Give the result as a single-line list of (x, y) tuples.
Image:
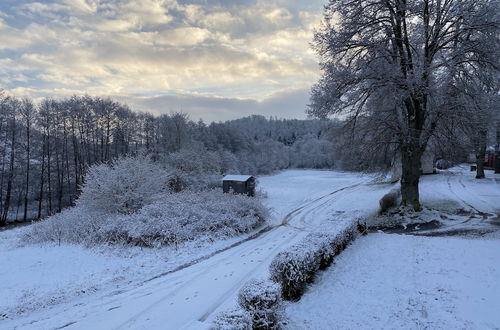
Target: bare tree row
[(46, 148)]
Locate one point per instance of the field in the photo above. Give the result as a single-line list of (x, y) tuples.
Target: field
[(52, 286)]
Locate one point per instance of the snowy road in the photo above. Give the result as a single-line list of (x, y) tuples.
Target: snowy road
[(301, 201)]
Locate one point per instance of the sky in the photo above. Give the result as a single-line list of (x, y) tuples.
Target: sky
[(212, 59)]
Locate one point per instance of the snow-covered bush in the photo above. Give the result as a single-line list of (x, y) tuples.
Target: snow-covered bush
[(124, 186), (325, 246), (297, 266), (76, 225), (195, 160), (262, 300), (293, 269), (389, 200), (195, 182), (171, 219), (196, 168), (236, 319), (187, 215)]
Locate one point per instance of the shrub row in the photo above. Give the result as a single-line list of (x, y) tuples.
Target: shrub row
[(260, 308), (260, 302), (298, 265)]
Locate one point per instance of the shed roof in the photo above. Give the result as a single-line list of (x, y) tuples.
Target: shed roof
[(233, 177)]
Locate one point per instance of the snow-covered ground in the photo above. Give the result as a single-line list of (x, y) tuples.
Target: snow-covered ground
[(406, 282), (50, 286), (73, 287), (448, 280)]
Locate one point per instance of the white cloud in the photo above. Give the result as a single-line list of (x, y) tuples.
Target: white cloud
[(146, 47)]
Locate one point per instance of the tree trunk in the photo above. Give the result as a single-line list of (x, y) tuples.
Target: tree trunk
[(8, 193), (75, 157), (49, 179), (410, 161), (28, 156), (481, 155), (40, 196)]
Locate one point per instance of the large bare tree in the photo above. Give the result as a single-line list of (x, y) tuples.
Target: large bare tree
[(386, 61)]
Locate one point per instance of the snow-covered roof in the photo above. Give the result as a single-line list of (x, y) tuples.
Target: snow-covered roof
[(234, 177)]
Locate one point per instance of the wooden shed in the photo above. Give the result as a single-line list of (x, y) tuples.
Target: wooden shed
[(239, 184)]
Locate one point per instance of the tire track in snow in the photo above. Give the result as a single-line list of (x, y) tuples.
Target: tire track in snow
[(328, 203), (304, 210), (448, 180), (157, 291), (294, 212), (477, 196), (164, 278), (264, 230)]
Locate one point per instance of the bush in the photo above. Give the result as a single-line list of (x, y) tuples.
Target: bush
[(195, 168), (76, 225), (236, 319), (297, 266), (124, 186), (293, 269), (188, 215), (262, 300), (390, 200), (171, 219)]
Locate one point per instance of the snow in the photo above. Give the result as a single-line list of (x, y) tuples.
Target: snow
[(234, 177), (191, 296), (417, 282), (406, 282), (185, 287), (458, 187)]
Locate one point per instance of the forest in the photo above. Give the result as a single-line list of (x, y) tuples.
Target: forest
[(47, 147)]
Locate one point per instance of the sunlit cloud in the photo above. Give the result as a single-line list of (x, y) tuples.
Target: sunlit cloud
[(140, 49)]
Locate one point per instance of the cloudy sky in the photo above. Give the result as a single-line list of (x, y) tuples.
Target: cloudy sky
[(214, 59)]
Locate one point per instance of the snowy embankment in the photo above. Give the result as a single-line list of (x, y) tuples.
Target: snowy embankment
[(444, 278), (121, 296)]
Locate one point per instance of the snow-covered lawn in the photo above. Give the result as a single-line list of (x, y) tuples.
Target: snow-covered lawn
[(406, 282), (50, 286), (450, 281)]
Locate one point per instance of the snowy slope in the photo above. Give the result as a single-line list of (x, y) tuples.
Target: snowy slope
[(302, 201)]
